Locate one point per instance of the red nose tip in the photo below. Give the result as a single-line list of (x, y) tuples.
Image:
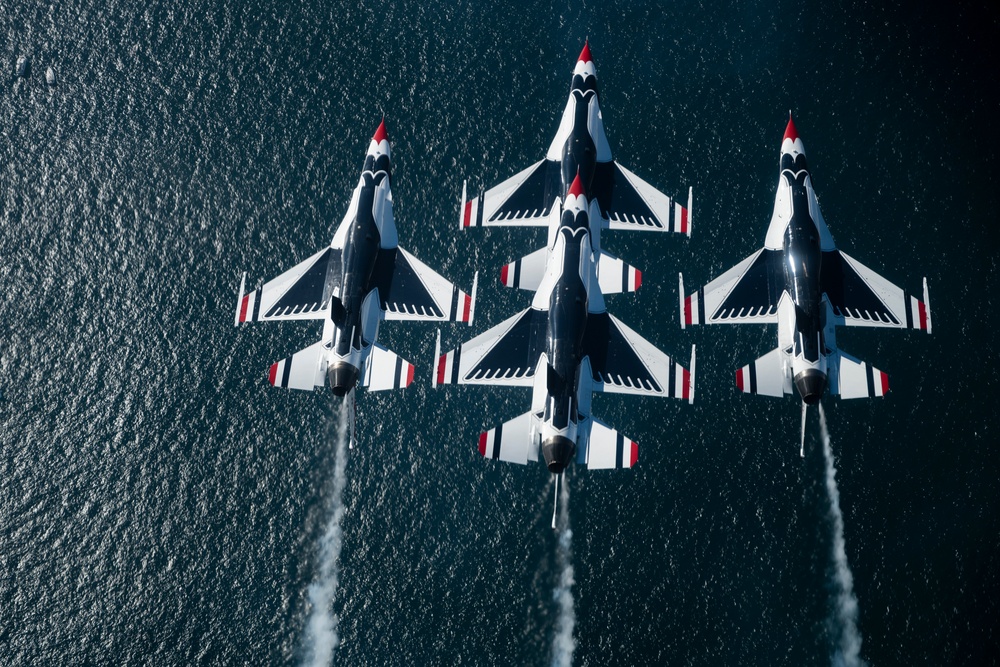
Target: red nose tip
[(380, 133), (585, 54), (790, 131), (576, 189)]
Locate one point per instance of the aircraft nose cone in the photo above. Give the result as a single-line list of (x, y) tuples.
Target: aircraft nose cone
[(558, 452), (811, 384), (342, 377)]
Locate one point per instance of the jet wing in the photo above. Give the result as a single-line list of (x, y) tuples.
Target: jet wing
[(624, 362), (520, 200), (628, 202), (748, 292), (506, 355), (297, 294), (861, 297), (414, 291), (511, 441)]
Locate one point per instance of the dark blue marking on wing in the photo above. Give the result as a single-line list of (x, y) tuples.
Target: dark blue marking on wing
[(534, 196), (612, 359), (758, 291), (516, 353), (849, 294), (306, 293), (401, 289)]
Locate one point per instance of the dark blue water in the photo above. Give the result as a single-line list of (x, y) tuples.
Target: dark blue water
[(161, 504)]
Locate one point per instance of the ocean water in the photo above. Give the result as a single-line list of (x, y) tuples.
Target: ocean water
[(161, 504)]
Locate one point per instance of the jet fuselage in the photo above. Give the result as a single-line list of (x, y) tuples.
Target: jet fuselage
[(801, 244), (350, 311), (568, 306)]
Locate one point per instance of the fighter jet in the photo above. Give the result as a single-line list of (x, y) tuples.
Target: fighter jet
[(800, 281), (580, 146), (362, 278), (565, 346)]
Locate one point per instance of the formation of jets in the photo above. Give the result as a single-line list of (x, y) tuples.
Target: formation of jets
[(565, 345)]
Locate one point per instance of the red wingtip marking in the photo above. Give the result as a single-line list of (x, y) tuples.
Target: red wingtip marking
[(243, 308), (585, 56), (638, 278), (482, 444), (885, 383), (635, 454), (380, 133), (684, 220), (467, 309), (272, 375), (923, 315), (467, 220), (790, 131), (442, 362), (503, 274), (687, 311), (409, 375), (739, 379), (576, 188)]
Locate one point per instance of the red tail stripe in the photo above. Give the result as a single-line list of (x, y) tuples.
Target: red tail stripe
[(503, 274), (243, 308), (467, 309), (923, 314), (739, 379), (409, 375), (885, 383), (635, 454), (482, 443), (467, 220), (684, 220), (687, 310), (686, 378), (638, 278), (273, 373)]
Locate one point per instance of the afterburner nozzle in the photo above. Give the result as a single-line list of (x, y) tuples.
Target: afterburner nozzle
[(558, 451), (342, 377), (811, 384)]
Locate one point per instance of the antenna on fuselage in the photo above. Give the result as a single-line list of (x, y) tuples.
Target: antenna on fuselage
[(802, 438), (555, 500)]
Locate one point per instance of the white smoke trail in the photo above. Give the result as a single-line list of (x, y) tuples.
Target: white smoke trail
[(321, 636), (845, 620), (563, 643)]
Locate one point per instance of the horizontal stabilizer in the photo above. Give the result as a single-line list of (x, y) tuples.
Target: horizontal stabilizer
[(853, 378), (526, 273), (386, 370), (606, 448), (767, 375), (303, 370), (511, 441), (615, 276)]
